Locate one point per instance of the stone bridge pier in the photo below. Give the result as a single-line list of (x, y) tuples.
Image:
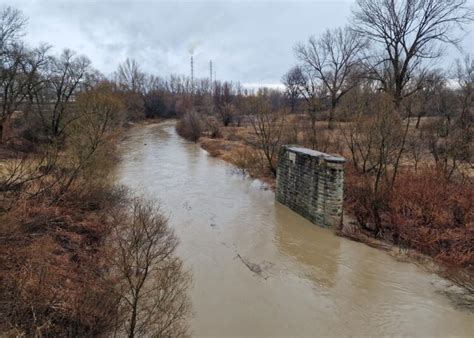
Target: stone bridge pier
[(311, 183)]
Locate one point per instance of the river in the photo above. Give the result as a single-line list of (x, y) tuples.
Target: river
[(307, 281)]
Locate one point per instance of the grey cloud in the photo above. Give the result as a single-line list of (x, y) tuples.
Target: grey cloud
[(250, 42)]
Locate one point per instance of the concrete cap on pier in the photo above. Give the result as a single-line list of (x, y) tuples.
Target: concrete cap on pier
[(315, 153)]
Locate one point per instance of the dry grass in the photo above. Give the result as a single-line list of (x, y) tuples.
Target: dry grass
[(52, 269), (243, 156)]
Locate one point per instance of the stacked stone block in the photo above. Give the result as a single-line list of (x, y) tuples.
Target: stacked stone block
[(311, 183)]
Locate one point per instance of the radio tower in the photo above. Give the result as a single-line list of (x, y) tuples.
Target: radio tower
[(210, 70), (192, 70)]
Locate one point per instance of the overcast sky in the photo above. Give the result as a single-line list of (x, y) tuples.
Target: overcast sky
[(248, 41)]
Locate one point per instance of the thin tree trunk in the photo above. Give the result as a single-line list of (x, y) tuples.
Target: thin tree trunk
[(399, 155), (5, 129), (332, 112), (133, 319), (418, 121)]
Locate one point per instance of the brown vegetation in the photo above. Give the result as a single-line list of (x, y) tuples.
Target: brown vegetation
[(78, 256), (190, 126), (422, 211), (52, 259), (70, 269)]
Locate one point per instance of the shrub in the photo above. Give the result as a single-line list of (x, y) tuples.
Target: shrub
[(54, 280), (423, 211), (214, 129), (158, 104), (250, 161), (190, 126)]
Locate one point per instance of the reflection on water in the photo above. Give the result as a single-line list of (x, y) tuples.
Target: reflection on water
[(307, 281)]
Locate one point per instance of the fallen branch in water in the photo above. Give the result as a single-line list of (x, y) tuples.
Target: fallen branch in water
[(255, 268)]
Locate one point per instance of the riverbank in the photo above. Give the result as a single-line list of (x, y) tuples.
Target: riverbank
[(235, 148), (239, 154), (54, 221), (61, 217)]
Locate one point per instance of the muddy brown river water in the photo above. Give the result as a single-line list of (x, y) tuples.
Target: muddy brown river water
[(305, 280)]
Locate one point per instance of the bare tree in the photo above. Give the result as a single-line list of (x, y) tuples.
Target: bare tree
[(20, 76), (154, 282), (464, 76), (425, 100), (405, 33), (130, 76), (334, 59), (67, 73), (311, 91), (291, 80), (268, 123), (12, 25), (133, 83), (451, 133), (223, 95)]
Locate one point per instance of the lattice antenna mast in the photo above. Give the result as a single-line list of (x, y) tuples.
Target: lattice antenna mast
[(210, 70), (192, 69)]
